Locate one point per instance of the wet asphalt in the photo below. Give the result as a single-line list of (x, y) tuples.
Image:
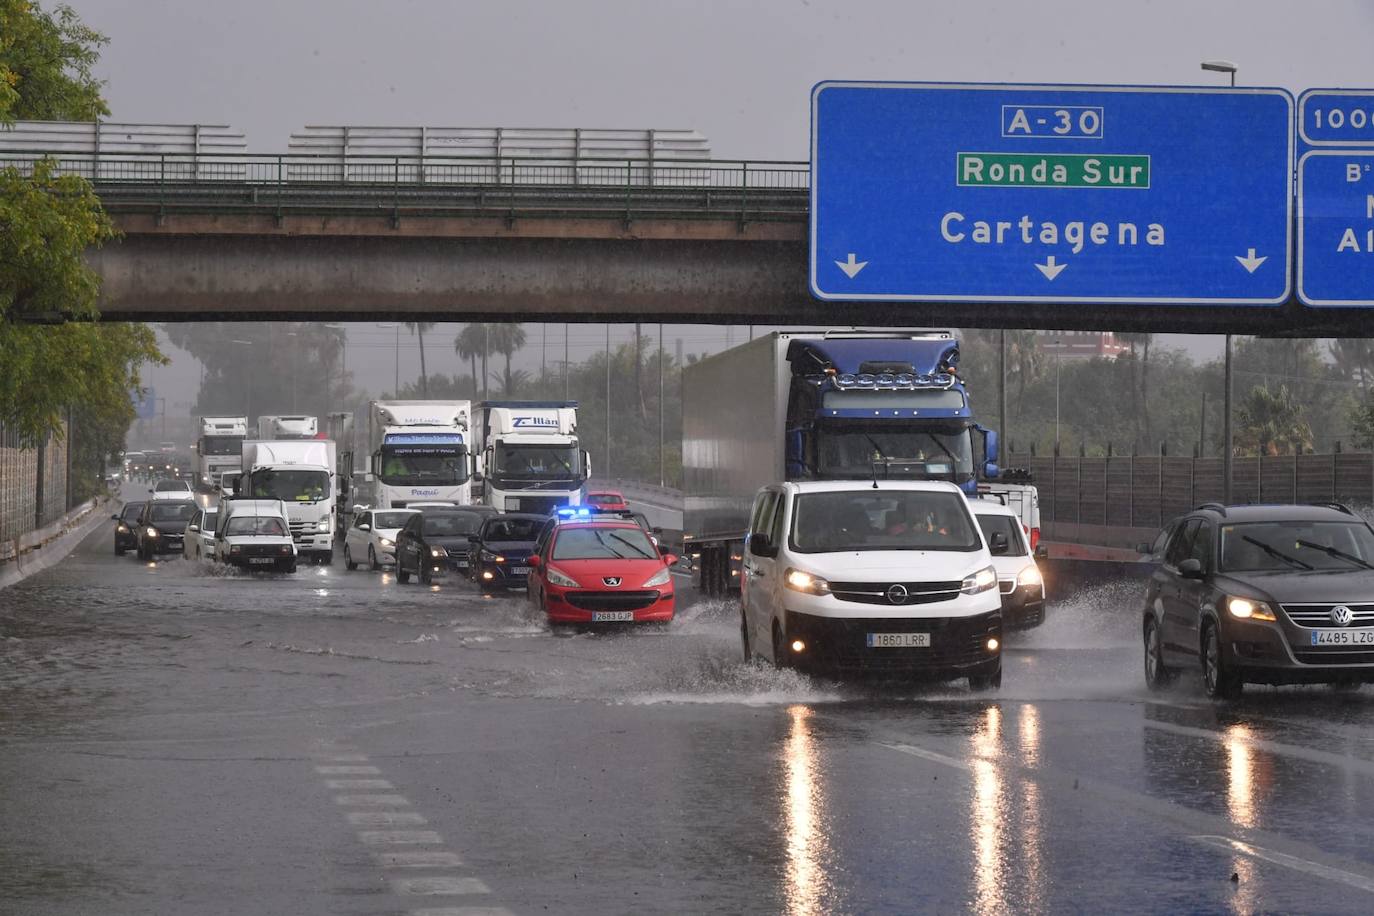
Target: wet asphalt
[(179, 740)]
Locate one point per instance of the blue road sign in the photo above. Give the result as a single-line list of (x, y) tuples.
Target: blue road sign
[(1336, 118), (145, 405), (1004, 193), (1336, 228)]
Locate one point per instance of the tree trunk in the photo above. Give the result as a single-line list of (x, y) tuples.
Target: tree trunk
[(1145, 389), (475, 390), (507, 385), (424, 375), (639, 377)]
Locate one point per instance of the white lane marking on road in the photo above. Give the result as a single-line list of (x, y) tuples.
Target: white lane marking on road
[(1356, 764), (400, 837), (931, 756), (439, 886), (462, 911), (386, 818), (422, 859), (397, 801), (1293, 862), (357, 784), (347, 771), (348, 758)]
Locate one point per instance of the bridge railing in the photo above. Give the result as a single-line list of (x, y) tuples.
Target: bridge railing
[(312, 182)]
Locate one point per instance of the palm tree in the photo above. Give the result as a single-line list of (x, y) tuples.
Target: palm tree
[(419, 328), (1141, 393), (1025, 361), (1353, 357), (1269, 419), (506, 338), (471, 343)]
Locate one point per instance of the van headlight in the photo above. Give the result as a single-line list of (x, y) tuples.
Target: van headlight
[(979, 582), (800, 581), (1030, 576), (1250, 609)]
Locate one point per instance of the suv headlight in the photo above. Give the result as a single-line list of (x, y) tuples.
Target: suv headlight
[(659, 578), (384, 542), (152, 532), (562, 580), (800, 581), (979, 582), (438, 552), (1250, 609), (1029, 576)]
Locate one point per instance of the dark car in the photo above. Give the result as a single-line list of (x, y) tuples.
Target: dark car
[(162, 526), (501, 550), (126, 528), (436, 541), (1262, 594)]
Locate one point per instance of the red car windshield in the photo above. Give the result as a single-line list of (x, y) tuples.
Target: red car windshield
[(605, 499), (603, 544)]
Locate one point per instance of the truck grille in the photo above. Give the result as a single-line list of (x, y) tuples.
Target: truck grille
[(612, 601), (541, 505), (300, 529), (1319, 615), (877, 592)]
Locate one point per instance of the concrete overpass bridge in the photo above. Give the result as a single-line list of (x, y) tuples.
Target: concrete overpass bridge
[(300, 235)]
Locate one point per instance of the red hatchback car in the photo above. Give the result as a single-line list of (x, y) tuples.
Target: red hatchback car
[(601, 571), (606, 501)]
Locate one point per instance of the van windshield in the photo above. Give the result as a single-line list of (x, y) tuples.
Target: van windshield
[(255, 524), (882, 520)]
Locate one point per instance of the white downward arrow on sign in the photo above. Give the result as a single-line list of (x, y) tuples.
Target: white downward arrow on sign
[(851, 267), (1250, 262), (1050, 269)]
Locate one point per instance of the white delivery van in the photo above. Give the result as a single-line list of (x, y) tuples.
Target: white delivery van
[(1018, 577), (853, 577), (254, 534)]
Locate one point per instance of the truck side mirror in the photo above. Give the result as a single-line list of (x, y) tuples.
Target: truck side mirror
[(991, 470), (586, 465), (990, 447)]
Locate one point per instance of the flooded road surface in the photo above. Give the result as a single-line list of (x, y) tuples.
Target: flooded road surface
[(175, 740)]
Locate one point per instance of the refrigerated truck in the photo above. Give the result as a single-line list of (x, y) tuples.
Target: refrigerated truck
[(529, 456), (301, 474), (219, 448), (835, 405), (338, 428), (418, 452), (293, 426)]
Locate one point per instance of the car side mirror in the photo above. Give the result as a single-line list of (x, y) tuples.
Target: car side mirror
[(1190, 568), (670, 559), (1042, 552), (192, 527), (364, 527), (998, 543), (536, 560), (115, 517), (761, 545)]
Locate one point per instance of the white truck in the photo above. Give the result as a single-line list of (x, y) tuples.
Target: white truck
[(219, 448), (418, 452), (529, 458), (288, 427), (338, 428), (302, 475)]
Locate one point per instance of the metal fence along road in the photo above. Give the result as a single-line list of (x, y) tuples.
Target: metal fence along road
[(437, 185)]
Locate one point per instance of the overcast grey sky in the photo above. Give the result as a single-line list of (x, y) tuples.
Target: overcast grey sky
[(739, 72)]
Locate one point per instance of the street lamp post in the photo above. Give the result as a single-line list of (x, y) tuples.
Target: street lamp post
[(1058, 349), (1225, 66), (248, 384)]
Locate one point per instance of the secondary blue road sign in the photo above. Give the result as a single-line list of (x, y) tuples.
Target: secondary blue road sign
[(145, 404), (1336, 118), (1336, 228), (1003, 193)]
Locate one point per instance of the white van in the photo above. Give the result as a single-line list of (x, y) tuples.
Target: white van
[(254, 534), (1018, 578), (861, 577)]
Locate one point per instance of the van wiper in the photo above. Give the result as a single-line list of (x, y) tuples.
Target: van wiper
[(1276, 554), (1333, 552)]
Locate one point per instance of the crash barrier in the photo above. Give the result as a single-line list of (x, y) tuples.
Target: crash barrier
[(26, 553), (1122, 499)]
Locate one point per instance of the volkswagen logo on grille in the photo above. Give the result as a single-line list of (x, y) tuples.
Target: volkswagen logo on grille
[(611, 581), (897, 594), (1342, 616)]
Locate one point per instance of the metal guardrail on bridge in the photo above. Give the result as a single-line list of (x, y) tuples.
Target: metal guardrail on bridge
[(437, 185)]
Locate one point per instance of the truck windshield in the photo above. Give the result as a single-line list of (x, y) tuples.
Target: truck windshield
[(221, 445), (411, 465), (290, 485), (849, 451), (537, 462), (881, 520)]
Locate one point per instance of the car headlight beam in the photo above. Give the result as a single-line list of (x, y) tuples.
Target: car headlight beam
[(1030, 576), (979, 582), (801, 581), (1250, 609)]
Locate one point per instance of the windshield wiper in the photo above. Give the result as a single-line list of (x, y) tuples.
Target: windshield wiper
[(954, 462), (872, 442), (629, 544), (1333, 552), (1276, 554)]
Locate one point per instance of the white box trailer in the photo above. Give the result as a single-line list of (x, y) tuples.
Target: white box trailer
[(219, 448), (418, 451), (295, 426), (530, 457), (301, 474)]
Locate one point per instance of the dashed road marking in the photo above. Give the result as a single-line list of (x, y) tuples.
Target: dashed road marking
[(348, 758), (439, 886), (423, 859), (1293, 862), (400, 837), (462, 911), (347, 770), (386, 818), (931, 756), (357, 784), (399, 801), (1356, 764)]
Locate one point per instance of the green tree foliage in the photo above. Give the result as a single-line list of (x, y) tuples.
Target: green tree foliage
[(1270, 422), (47, 221)]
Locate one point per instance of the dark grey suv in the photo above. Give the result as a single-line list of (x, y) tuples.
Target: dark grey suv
[(1262, 594)]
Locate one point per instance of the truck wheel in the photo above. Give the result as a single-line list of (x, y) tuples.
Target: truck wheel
[(348, 559), (327, 558)]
